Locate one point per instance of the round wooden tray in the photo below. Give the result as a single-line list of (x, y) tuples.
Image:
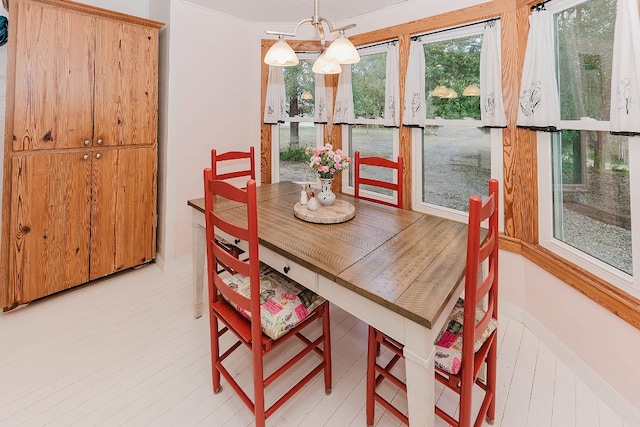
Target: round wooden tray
[(340, 211)]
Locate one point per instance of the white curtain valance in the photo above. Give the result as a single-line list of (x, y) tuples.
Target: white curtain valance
[(392, 88), (343, 112), (625, 78), (320, 110), (414, 91), (539, 101), (275, 99), (491, 101)]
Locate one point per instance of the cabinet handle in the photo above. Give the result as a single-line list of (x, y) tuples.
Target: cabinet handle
[(98, 155), (86, 157), (287, 269), (87, 142), (99, 142)]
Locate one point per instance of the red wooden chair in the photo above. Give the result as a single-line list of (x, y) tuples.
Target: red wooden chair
[(380, 162), (234, 158), (460, 352), (260, 306), (244, 162)]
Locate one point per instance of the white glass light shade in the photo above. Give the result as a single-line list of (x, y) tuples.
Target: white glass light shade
[(342, 51), (471, 90), (281, 55), (322, 66)]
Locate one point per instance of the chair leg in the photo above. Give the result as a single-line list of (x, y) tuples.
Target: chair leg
[(215, 352), (465, 399), (371, 375), (326, 349), (258, 385), (491, 380)]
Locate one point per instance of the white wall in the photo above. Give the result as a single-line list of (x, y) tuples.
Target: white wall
[(214, 102), (591, 340)]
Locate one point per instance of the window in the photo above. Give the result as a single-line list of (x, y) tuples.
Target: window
[(585, 190), (368, 135), (456, 154), (298, 130)]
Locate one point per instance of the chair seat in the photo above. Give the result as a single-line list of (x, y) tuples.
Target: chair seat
[(449, 341), (284, 303)]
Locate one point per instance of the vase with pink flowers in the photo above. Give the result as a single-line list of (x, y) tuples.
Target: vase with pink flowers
[(327, 163)]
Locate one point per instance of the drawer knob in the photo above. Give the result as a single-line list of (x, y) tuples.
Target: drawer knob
[(287, 269)]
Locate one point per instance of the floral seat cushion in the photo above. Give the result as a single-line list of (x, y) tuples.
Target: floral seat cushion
[(283, 302), (449, 341)]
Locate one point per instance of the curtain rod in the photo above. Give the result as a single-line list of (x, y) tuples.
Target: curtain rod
[(539, 6), (417, 36), (377, 44)]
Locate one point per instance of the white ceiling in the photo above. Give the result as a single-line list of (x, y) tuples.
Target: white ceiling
[(294, 10)]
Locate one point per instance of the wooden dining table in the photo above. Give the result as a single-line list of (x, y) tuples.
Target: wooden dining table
[(398, 270)]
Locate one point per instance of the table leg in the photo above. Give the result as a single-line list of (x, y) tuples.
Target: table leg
[(198, 237), (420, 388)]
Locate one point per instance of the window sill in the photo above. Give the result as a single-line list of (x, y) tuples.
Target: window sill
[(618, 302)]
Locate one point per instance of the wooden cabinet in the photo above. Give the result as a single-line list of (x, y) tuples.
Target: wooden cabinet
[(80, 177)]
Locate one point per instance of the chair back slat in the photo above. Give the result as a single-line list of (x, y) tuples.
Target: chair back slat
[(234, 264), (248, 171), (380, 162), (231, 295)]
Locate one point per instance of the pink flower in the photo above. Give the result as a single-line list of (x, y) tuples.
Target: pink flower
[(326, 162)]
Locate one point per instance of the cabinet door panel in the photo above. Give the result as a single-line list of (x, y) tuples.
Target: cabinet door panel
[(50, 224), (53, 91), (123, 226), (126, 93)]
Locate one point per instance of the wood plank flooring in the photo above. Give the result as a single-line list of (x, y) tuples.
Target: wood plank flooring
[(126, 351)]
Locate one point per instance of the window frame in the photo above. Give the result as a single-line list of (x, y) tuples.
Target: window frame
[(417, 135), (346, 134), (627, 283), (275, 130)]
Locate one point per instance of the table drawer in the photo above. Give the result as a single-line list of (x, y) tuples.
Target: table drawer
[(295, 271)]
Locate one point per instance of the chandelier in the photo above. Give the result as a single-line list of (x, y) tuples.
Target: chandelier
[(340, 51)]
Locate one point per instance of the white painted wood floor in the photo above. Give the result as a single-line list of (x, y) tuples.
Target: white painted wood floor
[(127, 351)]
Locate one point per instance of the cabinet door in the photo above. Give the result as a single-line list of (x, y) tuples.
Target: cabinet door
[(123, 217), (126, 93), (54, 78), (49, 238)]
